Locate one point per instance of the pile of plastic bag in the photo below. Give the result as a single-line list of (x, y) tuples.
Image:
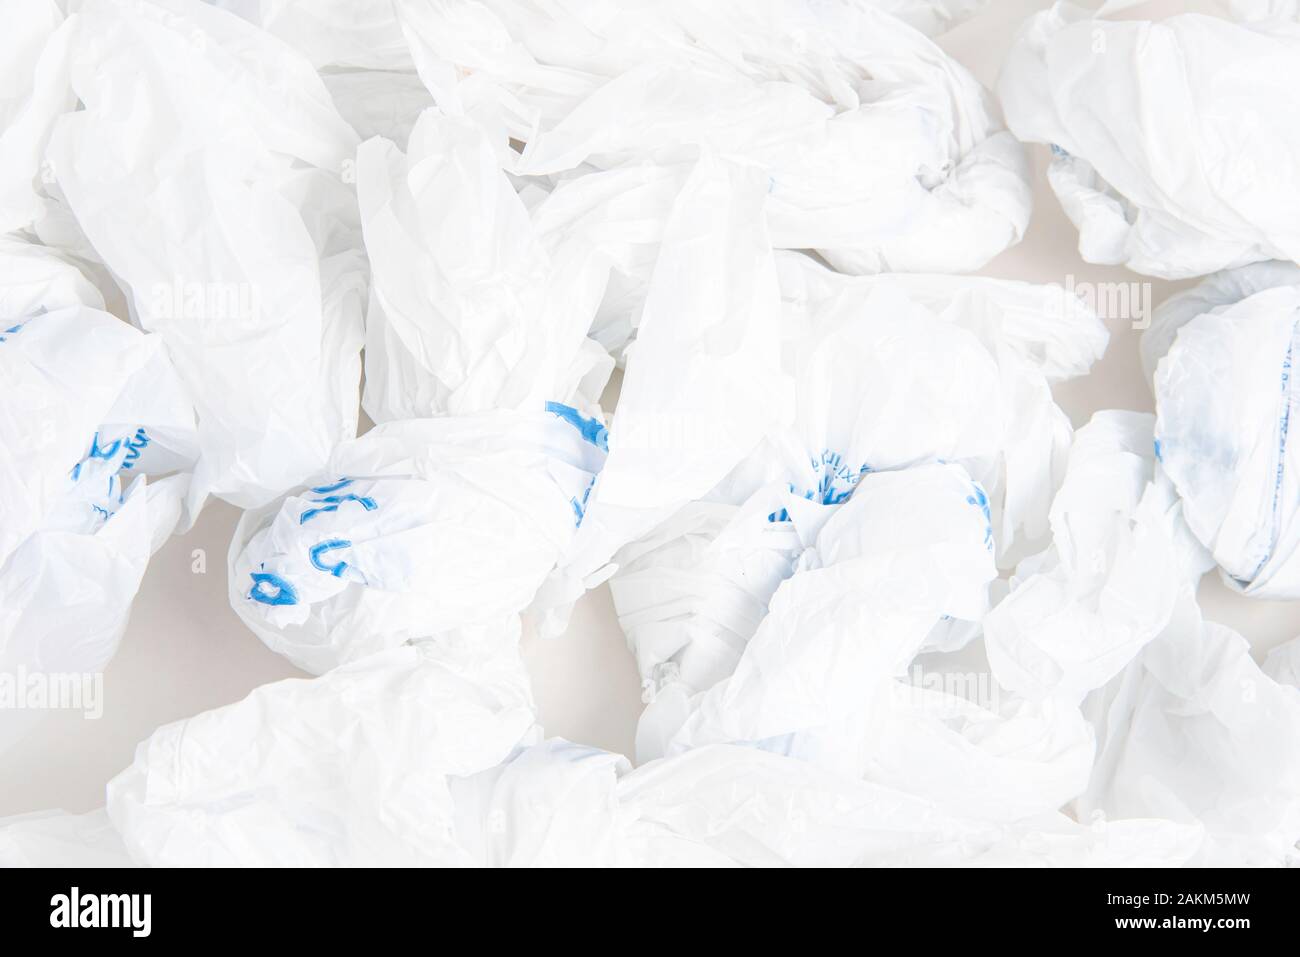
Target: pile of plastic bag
[(834, 485)]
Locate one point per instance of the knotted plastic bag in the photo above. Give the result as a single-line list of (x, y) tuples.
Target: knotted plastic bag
[(423, 527)]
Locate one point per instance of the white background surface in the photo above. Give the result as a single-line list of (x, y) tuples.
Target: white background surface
[(185, 650)]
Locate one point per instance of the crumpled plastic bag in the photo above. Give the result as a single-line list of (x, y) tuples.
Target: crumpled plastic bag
[(1008, 432), (352, 768), (1160, 190), (205, 169), (1211, 294), (561, 804), (664, 454), (819, 680), (854, 613), (1194, 731), (1189, 730), (1120, 559), (808, 93), (1226, 402), (457, 325), (890, 373), (754, 808), (448, 768), (424, 527), (92, 407)]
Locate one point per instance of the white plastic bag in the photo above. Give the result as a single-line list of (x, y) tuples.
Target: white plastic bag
[(429, 755), (1120, 559), (1199, 184), (890, 373), (1011, 435), (92, 402), (424, 527), (758, 809), (1226, 402), (856, 611), (205, 170), (561, 804), (93, 406), (352, 768), (808, 92), (1193, 731), (819, 679)]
